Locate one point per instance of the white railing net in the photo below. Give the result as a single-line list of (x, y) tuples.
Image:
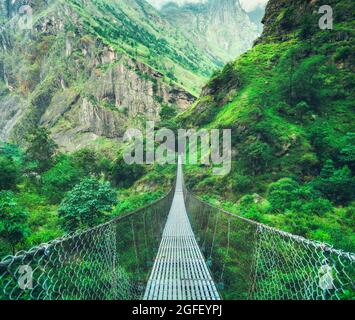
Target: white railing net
[(249, 260), (108, 262)]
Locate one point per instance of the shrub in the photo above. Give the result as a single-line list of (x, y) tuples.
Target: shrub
[(343, 53), (249, 208), (337, 185), (86, 205), (13, 220), (256, 156), (318, 207), (41, 150), (281, 194), (88, 161), (62, 177), (124, 175), (348, 151), (242, 184), (9, 173)]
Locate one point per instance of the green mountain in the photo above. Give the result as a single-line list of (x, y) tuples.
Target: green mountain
[(89, 69), (290, 104), (221, 28)]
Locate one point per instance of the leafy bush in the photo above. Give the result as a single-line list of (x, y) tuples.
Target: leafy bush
[(89, 162), (256, 156), (62, 177), (86, 205), (9, 173), (13, 220), (41, 150), (343, 53), (347, 153), (337, 185), (304, 82), (318, 207), (242, 184), (286, 194), (281, 194), (124, 175), (137, 201)]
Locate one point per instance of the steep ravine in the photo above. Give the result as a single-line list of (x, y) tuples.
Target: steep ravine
[(61, 76)]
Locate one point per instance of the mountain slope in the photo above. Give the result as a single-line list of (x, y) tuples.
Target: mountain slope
[(221, 28), (89, 69), (290, 105)]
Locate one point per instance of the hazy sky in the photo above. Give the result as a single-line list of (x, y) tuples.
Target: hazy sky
[(248, 5)]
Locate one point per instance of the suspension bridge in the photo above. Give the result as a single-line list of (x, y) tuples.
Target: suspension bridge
[(180, 271), (179, 248)]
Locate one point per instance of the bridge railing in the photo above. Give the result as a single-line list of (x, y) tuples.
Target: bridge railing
[(249, 260), (109, 262)]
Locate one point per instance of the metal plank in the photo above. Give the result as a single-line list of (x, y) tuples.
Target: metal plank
[(180, 271)]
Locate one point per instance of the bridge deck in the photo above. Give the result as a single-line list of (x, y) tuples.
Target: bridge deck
[(180, 271)]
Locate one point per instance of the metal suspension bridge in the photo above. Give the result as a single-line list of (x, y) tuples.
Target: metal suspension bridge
[(179, 248), (180, 271)]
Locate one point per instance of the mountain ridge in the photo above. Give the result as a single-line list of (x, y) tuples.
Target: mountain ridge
[(221, 28), (87, 75), (289, 103)]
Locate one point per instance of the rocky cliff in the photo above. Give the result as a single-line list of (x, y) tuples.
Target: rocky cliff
[(87, 81)]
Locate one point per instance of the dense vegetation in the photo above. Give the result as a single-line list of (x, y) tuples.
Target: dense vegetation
[(136, 28), (289, 102), (45, 193)]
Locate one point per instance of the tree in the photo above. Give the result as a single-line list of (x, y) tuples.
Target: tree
[(124, 175), (88, 161), (13, 220), (11, 151), (256, 156), (308, 81), (348, 151), (41, 149), (309, 201), (308, 26), (62, 177), (337, 185), (281, 194), (86, 205), (9, 173)]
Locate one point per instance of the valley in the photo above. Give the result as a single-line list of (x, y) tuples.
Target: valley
[(88, 70)]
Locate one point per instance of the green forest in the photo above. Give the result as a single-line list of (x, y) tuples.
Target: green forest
[(290, 105), (45, 193), (290, 102)]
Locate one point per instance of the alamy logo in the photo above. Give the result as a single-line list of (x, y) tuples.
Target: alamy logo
[(202, 147), (25, 281), (326, 21), (26, 18), (326, 280)]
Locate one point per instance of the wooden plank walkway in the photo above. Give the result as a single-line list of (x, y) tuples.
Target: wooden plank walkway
[(180, 271)]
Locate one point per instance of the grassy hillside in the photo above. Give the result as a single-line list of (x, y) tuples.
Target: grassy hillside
[(137, 28), (290, 104)]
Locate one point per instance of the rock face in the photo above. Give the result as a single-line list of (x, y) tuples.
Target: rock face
[(220, 27), (62, 77), (115, 99)]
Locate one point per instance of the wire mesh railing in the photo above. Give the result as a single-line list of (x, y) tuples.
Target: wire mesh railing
[(112, 261), (249, 260), (109, 262)]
